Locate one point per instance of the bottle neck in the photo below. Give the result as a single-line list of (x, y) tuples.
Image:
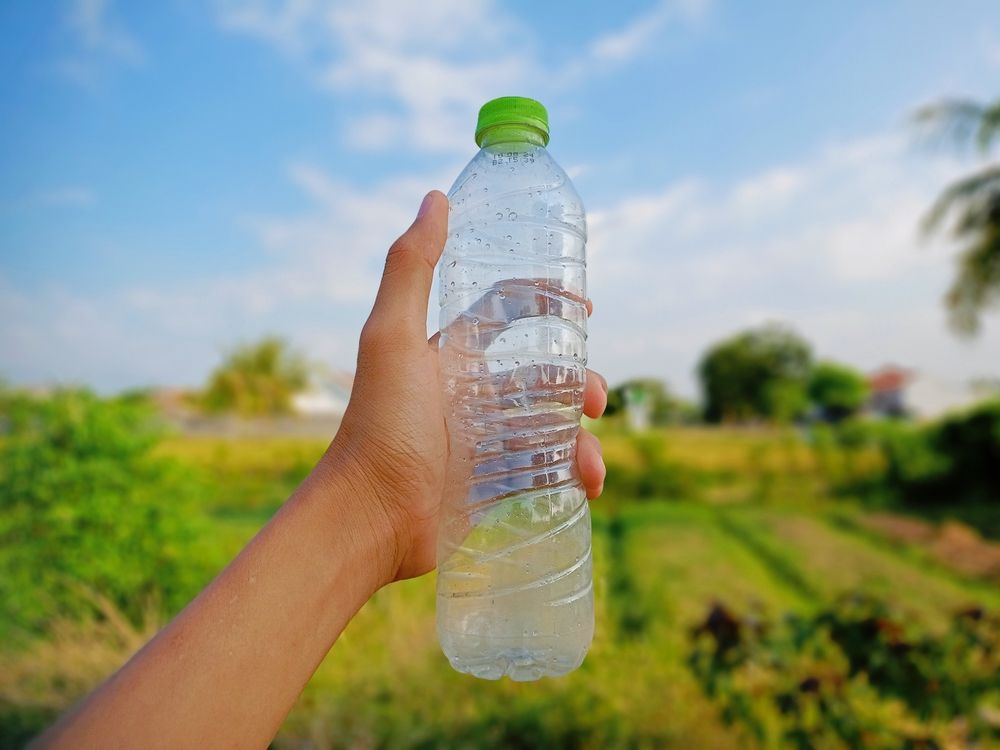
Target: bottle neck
[(512, 138)]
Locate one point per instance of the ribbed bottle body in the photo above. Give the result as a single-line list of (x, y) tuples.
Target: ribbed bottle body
[(515, 592)]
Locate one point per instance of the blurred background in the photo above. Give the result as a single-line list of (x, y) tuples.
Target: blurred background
[(794, 215)]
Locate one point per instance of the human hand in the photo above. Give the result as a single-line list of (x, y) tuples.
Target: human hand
[(392, 443)]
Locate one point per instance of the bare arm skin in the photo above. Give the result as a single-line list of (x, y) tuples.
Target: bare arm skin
[(228, 669)]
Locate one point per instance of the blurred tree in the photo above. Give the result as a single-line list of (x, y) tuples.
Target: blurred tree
[(258, 378), (838, 390), (973, 206), (757, 374), (87, 507)]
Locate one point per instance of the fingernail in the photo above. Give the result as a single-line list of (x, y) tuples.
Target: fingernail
[(425, 205), (604, 384)]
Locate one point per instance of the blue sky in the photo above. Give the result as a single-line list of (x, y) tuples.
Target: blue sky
[(179, 176)]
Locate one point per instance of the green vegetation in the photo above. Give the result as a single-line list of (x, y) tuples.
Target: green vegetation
[(88, 512), (952, 465), (256, 379), (972, 205), (837, 390), (854, 674), (756, 519), (760, 374)]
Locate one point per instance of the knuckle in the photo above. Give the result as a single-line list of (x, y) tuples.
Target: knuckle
[(400, 252), (372, 333)]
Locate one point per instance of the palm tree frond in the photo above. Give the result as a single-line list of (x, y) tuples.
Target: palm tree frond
[(989, 127), (977, 284), (956, 119), (977, 195)]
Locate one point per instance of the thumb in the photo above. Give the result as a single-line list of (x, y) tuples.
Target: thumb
[(401, 303)]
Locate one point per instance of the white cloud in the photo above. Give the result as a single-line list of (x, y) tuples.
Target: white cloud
[(830, 244), (635, 38), (418, 71), (98, 32), (99, 39), (317, 286)]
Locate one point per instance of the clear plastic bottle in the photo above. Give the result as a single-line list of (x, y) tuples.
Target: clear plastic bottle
[(515, 591)]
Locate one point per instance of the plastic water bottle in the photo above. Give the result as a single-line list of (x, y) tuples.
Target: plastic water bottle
[(515, 591)]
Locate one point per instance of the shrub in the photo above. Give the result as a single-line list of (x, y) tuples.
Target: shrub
[(837, 390), (85, 508), (852, 675), (256, 379), (943, 464), (654, 476)]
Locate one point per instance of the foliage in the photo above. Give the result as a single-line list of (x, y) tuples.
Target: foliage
[(973, 204), (657, 562), (760, 374), (837, 390), (653, 475), (50, 673), (852, 675), (952, 461), (86, 509), (255, 379)]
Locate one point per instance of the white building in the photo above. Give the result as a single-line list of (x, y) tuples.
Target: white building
[(326, 395), (897, 391)]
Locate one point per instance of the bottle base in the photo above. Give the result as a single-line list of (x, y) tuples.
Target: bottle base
[(519, 664)]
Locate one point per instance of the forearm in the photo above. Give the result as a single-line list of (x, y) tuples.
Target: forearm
[(228, 669)]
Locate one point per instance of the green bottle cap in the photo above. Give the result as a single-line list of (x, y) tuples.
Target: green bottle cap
[(512, 110)]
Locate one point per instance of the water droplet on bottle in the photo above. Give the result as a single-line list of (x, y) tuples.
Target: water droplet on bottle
[(475, 321), (512, 215), (475, 283), (509, 237), (499, 215), (452, 264)]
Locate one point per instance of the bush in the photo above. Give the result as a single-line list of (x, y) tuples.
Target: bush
[(853, 675), (655, 476), (946, 464), (86, 508), (257, 379), (837, 390)]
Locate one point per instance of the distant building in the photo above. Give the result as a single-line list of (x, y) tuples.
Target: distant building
[(902, 392), (638, 408), (326, 395), (888, 391)]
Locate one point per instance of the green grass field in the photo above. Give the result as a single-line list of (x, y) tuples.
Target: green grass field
[(764, 538)]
